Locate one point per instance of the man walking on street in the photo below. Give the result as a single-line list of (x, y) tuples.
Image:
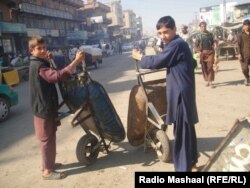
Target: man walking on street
[(205, 46), (244, 50)]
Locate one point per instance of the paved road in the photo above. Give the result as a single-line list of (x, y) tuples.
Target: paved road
[(20, 158)]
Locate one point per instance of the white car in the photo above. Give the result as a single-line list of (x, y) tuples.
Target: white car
[(93, 55)]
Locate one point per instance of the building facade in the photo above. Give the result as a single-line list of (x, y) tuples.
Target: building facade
[(96, 21), (129, 29), (58, 21), (242, 12), (116, 16), (139, 27), (64, 23), (11, 32), (230, 12)]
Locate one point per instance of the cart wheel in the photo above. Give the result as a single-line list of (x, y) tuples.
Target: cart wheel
[(87, 149), (4, 109), (162, 145)]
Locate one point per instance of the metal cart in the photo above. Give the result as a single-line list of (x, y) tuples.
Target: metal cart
[(100, 132), (153, 132)]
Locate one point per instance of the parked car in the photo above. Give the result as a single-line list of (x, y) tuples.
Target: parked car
[(8, 98), (127, 47), (93, 56)]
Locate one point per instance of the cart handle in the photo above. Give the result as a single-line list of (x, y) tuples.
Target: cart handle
[(146, 71), (155, 114), (136, 65), (149, 71)]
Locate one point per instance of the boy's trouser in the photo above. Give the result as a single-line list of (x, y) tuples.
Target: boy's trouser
[(46, 133), (207, 62), (185, 145)]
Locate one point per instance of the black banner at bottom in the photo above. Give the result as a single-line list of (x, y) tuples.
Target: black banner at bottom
[(211, 179)]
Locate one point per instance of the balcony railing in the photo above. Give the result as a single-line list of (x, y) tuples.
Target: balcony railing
[(35, 9), (74, 3)]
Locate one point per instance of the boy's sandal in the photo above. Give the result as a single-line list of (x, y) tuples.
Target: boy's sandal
[(57, 165), (194, 169), (55, 176)]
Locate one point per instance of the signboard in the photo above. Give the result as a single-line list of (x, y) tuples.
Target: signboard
[(52, 32), (206, 14), (6, 27), (233, 154), (215, 16), (97, 19), (36, 32), (33, 32), (77, 35)]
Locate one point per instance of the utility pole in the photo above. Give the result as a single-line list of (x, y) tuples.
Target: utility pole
[(196, 20), (224, 12)]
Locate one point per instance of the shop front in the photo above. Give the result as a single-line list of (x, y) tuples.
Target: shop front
[(12, 37)]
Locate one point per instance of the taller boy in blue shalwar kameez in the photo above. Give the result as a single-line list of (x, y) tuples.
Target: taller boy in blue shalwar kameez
[(181, 108)]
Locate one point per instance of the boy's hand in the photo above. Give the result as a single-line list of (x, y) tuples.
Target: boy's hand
[(49, 55), (80, 56), (136, 54)]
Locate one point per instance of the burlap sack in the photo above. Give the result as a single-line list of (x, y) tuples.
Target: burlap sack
[(137, 118)]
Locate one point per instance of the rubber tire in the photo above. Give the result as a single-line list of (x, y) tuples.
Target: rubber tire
[(161, 138), (4, 108), (83, 157)]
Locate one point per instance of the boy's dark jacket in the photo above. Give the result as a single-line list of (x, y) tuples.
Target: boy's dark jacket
[(43, 95)]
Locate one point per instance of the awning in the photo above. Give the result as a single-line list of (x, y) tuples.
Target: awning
[(230, 26)]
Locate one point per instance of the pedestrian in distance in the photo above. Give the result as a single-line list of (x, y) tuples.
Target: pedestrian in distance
[(204, 45), (181, 103), (184, 34), (119, 46), (244, 50), (44, 101)]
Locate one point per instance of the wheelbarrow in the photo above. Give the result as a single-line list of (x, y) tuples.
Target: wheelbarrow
[(93, 110), (147, 109)]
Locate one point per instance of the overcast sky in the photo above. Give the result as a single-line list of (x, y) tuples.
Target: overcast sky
[(182, 11)]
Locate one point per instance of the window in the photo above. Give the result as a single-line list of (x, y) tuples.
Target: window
[(7, 45), (1, 15)]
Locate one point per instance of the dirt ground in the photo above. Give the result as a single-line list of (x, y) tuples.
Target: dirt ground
[(218, 108)]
